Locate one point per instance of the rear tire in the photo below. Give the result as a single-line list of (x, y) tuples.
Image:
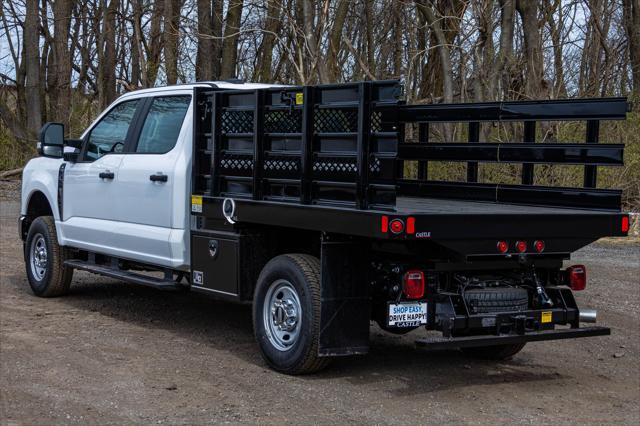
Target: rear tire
[(44, 260), (497, 353), (286, 314)]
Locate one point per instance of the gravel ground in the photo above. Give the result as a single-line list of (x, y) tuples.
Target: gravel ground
[(116, 353)]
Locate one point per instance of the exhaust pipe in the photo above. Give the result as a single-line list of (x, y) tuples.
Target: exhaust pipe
[(588, 315)]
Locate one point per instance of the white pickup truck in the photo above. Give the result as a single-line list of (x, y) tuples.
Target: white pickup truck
[(294, 199)]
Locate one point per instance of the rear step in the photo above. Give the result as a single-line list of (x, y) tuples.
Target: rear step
[(438, 343), (127, 276)]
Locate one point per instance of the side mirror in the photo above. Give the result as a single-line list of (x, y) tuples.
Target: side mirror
[(51, 140), (72, 150), (71, 157)]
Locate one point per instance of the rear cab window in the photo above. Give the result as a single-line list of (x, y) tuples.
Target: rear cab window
[(162, 124)]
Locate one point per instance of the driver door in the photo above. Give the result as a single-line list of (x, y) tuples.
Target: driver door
[(89, 212)]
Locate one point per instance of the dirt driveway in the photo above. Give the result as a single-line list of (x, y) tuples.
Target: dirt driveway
[(116, 353)]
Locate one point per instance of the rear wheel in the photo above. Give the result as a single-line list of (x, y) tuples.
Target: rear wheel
[(498, 352), (44, 260), (286, 314)]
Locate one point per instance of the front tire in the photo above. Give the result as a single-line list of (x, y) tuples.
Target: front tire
[(286, 314), (44, 260)]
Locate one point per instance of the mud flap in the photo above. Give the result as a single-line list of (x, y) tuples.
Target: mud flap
[(345, 304)]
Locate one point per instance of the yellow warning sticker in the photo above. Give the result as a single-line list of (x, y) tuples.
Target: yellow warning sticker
[(196, 203), (547, 317), (299, 98)]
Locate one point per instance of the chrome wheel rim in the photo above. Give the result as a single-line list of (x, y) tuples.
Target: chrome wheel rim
[(39, 257), (282, 315)]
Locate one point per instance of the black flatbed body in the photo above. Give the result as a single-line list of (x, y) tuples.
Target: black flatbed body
[(331, 159)]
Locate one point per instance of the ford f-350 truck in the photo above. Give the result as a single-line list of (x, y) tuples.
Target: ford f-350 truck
[(297, 200)]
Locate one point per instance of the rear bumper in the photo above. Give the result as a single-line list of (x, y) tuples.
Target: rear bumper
[(438, 343)]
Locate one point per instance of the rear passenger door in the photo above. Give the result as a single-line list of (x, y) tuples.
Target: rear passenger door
[(150, 190)]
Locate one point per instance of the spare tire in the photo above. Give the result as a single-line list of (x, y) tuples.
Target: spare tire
[(496, 299)]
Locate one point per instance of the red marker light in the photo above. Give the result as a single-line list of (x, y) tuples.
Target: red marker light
[(413, 284), (384, 224), (503, 246), (397, 226), (625, 224), (539, 245), (521, 246), (411, 225), (577, 275)]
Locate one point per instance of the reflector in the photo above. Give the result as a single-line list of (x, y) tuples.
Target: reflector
[(397, 226), (521, 246), (503, 246), (539, 245)]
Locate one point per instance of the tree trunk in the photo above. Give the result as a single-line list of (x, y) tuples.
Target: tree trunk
[(534, 84), (204, 64), (217, 41), (312, 43), (504, 62), (230, 43), (335, 39), (443, 52), (265, 51), (62, 92), (155, 45), (560, 89), (631, 11), (171, 35), (398, 13), (136, 54), (107, 75), (449, 15), (32, 49)]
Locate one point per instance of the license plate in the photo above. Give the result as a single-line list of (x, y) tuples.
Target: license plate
[(411, 314)]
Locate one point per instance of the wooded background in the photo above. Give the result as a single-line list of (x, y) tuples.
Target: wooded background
[(65, 61)]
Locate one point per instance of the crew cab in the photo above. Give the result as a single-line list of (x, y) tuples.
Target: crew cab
[(298, 201)]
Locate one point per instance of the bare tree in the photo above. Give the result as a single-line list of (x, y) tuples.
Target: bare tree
[(171, 36), (230, 43), (32, 65)]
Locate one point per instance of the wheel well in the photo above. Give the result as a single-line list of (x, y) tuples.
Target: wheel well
[(37, 206)]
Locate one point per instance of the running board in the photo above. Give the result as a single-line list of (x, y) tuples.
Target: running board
[(439, 343), (127, 276)]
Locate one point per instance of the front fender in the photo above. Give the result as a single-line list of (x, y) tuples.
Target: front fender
[(41, 175)]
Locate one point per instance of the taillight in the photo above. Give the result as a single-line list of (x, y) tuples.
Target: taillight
[(502, 246), (411, 225), (413, 284), (521, 246), (539, 245), (625, 224), (577, 277), (397, 226), (384, 224)]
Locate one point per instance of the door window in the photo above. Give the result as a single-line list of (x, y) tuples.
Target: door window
[(162, 124), (110, 133)]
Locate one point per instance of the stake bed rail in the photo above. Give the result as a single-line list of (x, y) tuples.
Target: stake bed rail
[(331, 158)]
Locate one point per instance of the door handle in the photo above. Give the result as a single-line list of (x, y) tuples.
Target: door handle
[(106, 175), (158, 177)]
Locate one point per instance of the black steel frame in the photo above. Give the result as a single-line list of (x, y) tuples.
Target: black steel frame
[(330, 158)]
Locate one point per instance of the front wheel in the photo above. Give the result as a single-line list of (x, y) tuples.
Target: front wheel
[(44, 260), (286, 314)]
